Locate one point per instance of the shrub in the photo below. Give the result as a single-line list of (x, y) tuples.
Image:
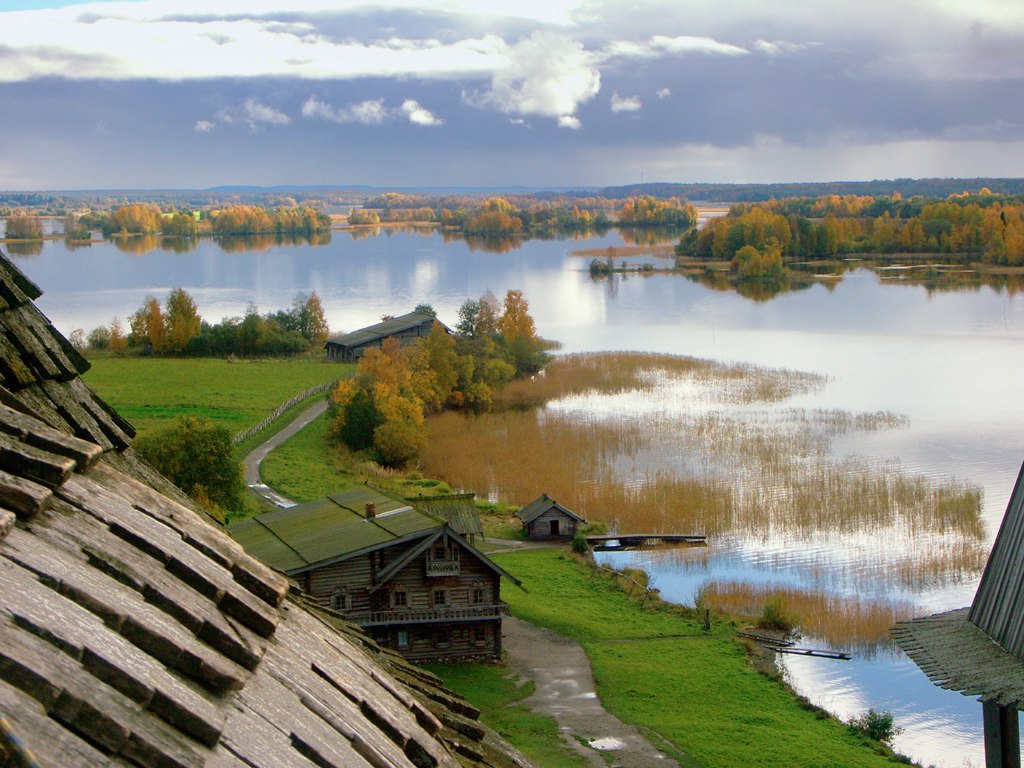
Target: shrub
[(879, 726), (579, 544), (774, 615), (196, 452)]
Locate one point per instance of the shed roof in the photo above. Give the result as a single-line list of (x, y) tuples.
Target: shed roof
[(539, 506), (457, 509), (381, 330), (134, 632), (296, 539), (979, 651)]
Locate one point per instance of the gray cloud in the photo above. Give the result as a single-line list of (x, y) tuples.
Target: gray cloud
[(528, 94)]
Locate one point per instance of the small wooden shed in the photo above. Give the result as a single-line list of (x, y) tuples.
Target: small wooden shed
[(979, 650), (545, 519)]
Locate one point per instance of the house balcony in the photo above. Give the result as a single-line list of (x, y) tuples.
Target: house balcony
[(428, 615), (444, 567)]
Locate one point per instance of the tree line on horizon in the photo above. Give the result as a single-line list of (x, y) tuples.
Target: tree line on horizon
[(757, 237)]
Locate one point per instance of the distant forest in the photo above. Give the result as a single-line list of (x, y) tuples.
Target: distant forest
[(758, 193), (59, 202)]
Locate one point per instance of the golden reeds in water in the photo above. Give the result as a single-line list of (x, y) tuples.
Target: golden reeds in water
[(704, 447), (849, 623)]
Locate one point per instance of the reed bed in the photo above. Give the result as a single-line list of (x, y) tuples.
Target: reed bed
[(842, 621), (707, 449), (618, 372)]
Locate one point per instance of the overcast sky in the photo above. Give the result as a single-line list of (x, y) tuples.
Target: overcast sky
[(197, 93)]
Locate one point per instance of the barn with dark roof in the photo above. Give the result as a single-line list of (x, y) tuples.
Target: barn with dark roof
[(349, 347)]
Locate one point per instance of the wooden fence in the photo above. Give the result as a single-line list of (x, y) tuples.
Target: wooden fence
[(274, 415)]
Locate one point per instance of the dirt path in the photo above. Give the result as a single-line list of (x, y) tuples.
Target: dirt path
[(565, 690), (255, 458)]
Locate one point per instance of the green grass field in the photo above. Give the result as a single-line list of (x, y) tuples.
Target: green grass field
[(495, 693), (151, 392), (664, 673)]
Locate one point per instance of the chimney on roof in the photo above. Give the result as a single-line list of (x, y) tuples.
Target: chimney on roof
[(371, 510)]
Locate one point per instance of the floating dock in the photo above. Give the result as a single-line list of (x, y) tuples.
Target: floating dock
[(611, 541)]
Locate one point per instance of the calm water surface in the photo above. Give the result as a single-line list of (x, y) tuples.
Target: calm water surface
[(950, 362)]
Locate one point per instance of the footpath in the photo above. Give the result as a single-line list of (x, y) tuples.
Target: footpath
[(257, 455), (559, 668)]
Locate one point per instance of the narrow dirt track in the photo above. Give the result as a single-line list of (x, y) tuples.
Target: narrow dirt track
[(565, 690)]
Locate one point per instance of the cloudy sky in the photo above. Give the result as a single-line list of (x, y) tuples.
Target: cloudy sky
[(197, 93)]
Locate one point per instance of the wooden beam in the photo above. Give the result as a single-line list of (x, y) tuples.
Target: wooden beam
[(1002, 735)]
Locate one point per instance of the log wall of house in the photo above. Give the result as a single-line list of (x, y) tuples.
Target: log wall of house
[(345, 587), (540, 527)]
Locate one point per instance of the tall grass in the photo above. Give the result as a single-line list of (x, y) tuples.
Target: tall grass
[(851, 622)]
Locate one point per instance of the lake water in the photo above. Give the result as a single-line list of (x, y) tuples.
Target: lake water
[(950, 362)]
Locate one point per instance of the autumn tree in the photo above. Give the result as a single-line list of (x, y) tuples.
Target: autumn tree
[(181, 224), (116, 340), (381, 398), (434, 361), (183, 321), (134, 219), (148, 327), (23, 226), (518, 335)]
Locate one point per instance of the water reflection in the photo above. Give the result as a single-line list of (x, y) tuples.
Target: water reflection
[(24, 247)]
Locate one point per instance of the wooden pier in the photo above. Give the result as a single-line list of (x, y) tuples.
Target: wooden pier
[(788, 646), (615, 541)]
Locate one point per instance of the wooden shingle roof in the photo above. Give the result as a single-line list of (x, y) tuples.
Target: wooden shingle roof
[(135, 633), (979, 651), (381, 330)]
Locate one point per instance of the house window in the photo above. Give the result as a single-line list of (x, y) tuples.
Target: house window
[(479, 635), (440, 598), (477, 595), (439, 553), (341, 600), (442, 638), (401, 598), (402, 638)]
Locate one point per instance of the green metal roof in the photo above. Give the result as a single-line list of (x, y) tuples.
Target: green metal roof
[(381, 330), (301, 537)]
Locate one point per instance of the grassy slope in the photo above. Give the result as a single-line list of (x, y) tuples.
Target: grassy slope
[(692, 687), (150, 392), (491, 689)]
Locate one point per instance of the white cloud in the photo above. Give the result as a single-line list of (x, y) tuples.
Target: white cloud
[(258, 115), (419, 115), (546, 74), (369, 112), (691, 44), (776, 47), (570, 121), (626, 103), (664, 93), (203, 126)]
